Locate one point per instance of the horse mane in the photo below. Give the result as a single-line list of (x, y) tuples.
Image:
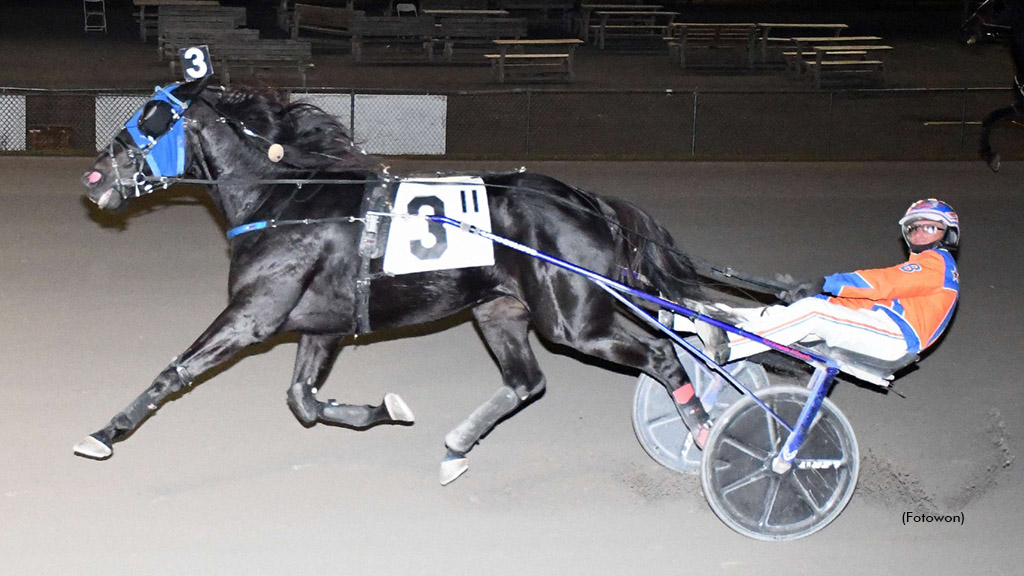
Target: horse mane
[(312, 138)]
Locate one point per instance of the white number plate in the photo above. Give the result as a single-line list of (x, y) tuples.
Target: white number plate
[(418, 245), (195, 62)]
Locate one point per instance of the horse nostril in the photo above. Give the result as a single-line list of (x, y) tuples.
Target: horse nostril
[(93, 177)]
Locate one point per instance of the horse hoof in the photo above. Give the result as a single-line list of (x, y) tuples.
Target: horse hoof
[(453, 466), (398, 410), (994, 161), (93, 448)]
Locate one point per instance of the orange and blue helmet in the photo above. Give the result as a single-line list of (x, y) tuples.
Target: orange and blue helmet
[(935, 211)]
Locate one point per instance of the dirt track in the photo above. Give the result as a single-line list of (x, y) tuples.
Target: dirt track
[(225, 480)]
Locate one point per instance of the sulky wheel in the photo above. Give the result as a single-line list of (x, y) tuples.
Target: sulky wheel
[(657, 424), (755, 501)]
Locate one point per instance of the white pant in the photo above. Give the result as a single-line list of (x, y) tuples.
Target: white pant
[(869, 332)]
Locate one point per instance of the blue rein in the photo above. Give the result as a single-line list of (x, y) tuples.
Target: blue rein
[(252, 227), (270, 224)]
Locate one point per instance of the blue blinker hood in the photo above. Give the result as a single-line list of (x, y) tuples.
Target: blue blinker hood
[(164, 153)]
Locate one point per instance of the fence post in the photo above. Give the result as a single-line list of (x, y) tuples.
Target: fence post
[(529, 93), (693, 128), (963, 123), (352, 114), (828, 127)]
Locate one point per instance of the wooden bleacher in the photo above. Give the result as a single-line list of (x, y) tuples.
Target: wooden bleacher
[(476, 35), (632, 29), (249, 56), (397, 38), (775, 37), (323, 25), (704, 43), (837, 61), (533, 60)]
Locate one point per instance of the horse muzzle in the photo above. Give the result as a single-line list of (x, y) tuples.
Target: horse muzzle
[(106, 197), (109, 200)]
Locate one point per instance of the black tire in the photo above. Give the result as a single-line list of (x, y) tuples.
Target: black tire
[(752, 499)]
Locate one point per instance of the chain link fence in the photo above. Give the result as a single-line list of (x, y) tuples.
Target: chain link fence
[(887, 124)]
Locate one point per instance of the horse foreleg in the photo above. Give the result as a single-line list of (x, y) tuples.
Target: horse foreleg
[(312, 364), (250, 318), (99, 445), (504, 324)]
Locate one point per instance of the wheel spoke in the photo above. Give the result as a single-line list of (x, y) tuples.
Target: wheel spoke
[(772, 426), (753, 452), (773, 492), (745, 481), (667, 418), (806, 496)]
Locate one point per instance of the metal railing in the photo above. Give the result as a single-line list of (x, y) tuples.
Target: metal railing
[(880, 124)]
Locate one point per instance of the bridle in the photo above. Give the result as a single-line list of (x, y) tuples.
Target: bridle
[(161, 117), (135, 184)]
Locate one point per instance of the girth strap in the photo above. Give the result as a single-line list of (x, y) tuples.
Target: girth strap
[(378, 197)]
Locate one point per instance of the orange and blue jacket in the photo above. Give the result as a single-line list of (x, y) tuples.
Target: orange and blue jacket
[(920, 294)]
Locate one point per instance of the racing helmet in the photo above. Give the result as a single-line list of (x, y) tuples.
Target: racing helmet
[(935, 211)]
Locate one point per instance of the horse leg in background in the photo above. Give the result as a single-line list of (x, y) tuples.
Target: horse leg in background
[(251, 317), (985, 149), (315, 355), (504, 324)]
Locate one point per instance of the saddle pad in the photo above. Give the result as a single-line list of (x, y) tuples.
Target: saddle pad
[(418, 245)]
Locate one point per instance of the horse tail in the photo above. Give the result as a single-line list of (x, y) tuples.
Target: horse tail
[(658, 263), (646, 256), (649, 257)]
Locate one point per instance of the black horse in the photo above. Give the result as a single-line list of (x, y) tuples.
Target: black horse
[(294, 170)]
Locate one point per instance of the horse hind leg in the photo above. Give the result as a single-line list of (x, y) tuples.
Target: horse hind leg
[(620, 341), (991, 157), (315, 355), (504, 324)]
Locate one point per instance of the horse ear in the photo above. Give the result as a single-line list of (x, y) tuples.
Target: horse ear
[(191, 90)]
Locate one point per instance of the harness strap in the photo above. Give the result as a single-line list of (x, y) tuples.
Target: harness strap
[(378, 197), (363, 296)]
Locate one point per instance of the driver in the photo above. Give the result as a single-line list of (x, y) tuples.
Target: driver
[(885, 313)]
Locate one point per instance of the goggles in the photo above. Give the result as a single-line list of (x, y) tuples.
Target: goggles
[(927, 228)]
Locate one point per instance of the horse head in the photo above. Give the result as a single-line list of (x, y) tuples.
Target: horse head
[(215, 134), (152, 145)]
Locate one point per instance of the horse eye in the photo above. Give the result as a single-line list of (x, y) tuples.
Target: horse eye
[(156, 119)]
